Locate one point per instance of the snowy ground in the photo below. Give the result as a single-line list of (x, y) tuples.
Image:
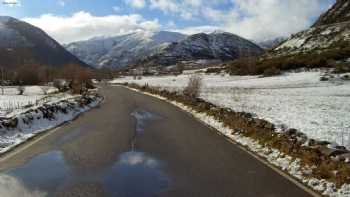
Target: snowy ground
[(11, 103), (295, 100), (30, 121)]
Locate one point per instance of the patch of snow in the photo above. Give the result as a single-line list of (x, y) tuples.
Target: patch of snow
[(292, 43), (10, 138), (11, 103)]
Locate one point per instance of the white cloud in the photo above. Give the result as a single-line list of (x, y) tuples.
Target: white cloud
[(82, 25), (136, 3), (186, 9), (256, 19), (165, 5), (12, 187), (116, 8), (61, 3), (11, 3), (266, 19), (253, 19), (198, 29)]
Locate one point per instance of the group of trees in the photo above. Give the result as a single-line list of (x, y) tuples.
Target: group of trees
[(77, 76)]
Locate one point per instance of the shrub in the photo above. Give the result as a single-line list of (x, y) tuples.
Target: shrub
[(213, 70), (345, 77), (310, 59), (192, 90), (341, 68), (271, 72), (20, 90)]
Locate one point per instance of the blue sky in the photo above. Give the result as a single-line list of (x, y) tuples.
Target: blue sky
[(72, 20)]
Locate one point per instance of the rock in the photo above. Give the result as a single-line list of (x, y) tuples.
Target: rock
[(12, 123), (312, 142), (269, 126), (323, 143), (324, 78), (345, 157), (330, 151), (291, 132), (341, 148), (345, 77)]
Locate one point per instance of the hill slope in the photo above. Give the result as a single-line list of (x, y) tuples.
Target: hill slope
[(339, 12), (121, 51), (332, 30), (215, 46), (161, 48), (24, 44)]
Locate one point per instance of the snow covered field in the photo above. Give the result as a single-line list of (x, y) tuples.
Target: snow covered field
[(22, 124), (293, 100), (11, 103)]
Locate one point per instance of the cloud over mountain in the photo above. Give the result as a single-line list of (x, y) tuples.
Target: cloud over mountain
[(83, 25)]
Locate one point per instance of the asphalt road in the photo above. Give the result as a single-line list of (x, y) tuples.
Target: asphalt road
[(133, 146)]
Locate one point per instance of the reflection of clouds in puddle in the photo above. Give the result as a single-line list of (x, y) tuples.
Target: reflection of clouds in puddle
[(12, 187), (142, 117), (45, 171), (137, 158), (136, 174)]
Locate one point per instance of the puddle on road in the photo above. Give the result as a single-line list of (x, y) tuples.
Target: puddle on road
[(143, 118), (44, 172), (136, 174), (133, 174)]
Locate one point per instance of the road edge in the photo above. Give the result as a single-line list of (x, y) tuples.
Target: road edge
[(243, 148), (42, 135)]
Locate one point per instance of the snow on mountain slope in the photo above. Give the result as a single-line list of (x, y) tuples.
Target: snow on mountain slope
[(22, 43), (320, 37), (161, 48), (120, 51), (339, 12), (331, 30), (215, 46), (271, 43)]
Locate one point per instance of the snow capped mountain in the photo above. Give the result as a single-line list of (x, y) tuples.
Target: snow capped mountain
[(214, 46), (22, 43), (271, 43), (340, 12), (161, 48), (121, 51), (331, 30)]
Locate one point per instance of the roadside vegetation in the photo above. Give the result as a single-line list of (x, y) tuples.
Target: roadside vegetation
[(76, 78), (309, 160), (193, 88), (336, 57)]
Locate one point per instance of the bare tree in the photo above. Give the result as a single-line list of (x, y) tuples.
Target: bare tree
[(193, 88), (20, 89)]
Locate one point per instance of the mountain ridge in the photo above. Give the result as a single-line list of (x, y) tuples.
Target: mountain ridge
[(120, 51), (161, 48), (25, 44), (330, 31)]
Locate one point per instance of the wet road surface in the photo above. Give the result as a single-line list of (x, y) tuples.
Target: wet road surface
[(138, 146)]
